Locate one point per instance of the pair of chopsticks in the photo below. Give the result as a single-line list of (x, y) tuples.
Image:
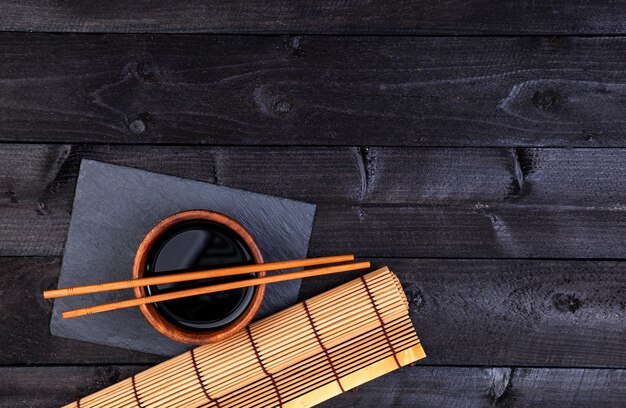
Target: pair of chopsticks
[(213, 273)]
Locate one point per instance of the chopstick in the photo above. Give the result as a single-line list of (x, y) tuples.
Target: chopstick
[(187, 276), (214, 288)]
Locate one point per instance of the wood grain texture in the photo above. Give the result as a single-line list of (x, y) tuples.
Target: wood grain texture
[(456, 387), (25, 320), (281, 16), (518, 312), (423, 386), (56, 386), (313, 90), (440, 202), (583, 177), (481, 231), (466, 312), (456, 129)]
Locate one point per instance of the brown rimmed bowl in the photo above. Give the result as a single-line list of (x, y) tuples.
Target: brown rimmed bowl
[(198, 240)]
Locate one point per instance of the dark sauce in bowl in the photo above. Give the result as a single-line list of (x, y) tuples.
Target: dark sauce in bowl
[(192, 246)]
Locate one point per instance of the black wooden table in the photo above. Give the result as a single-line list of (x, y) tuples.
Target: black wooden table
[(475, 147)]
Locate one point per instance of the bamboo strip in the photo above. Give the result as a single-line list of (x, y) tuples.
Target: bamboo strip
[(358, 377), (305, 372)]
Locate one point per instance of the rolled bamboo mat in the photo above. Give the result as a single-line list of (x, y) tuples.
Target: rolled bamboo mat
[(299, 357)]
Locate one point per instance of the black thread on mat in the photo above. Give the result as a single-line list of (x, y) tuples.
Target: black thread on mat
[(319, 340), (204, 390), (78, 403), (258, 357), (382, 324), (135, 392)]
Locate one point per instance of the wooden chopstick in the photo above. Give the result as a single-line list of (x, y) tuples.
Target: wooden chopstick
[(187, 276), (214, 288)]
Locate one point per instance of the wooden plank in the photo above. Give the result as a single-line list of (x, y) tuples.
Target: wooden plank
[(464, 387), (466, 312), (517, 312), (423, 386), (367, 175), (482, 231), (439, 202), (34, 172), (359, 17), (313, 90), (537, 176)]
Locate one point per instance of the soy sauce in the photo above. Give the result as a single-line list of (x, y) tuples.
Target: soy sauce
[(193, 246)]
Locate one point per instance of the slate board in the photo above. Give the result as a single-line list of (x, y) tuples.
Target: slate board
[(114, 208)]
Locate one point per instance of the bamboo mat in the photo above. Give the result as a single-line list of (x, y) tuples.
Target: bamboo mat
[(298, 357)]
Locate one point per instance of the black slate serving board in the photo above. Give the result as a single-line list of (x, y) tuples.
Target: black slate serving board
[(114, 207)]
